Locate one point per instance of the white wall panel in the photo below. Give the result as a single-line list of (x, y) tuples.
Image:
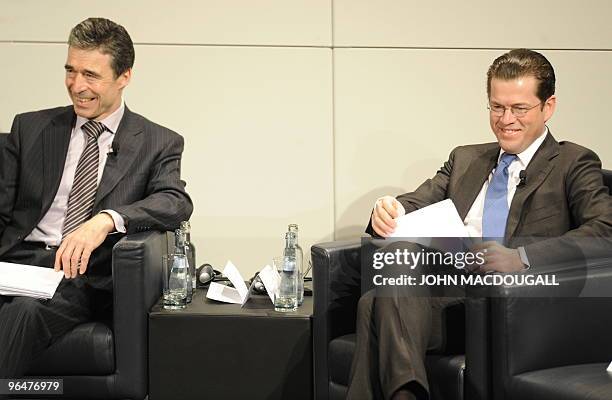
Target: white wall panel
[(258, 129), (473, 24), (261, 150), (584, 90), (32, 80), (399, 113), (245, 22)]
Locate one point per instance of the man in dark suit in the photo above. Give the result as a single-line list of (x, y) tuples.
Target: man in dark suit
[(521, 189), (72, 181)]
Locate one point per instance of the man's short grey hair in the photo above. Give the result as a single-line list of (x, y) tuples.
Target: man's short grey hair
[(109, 38)]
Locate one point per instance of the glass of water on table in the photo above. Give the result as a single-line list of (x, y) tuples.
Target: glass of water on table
[(175, 274), (287, 297)]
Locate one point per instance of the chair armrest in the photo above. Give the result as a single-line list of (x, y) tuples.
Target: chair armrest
[(336, 277), (137, 284), (534, 333), (477, 384)]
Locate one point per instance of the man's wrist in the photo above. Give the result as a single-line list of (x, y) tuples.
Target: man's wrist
[(119, 223), (108, 221)]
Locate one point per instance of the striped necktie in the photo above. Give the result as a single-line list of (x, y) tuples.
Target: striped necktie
[(495, 213), (85, 184)]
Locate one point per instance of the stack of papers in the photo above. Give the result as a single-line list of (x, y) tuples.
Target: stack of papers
[(440, 219), (434, 226), (28, 280)]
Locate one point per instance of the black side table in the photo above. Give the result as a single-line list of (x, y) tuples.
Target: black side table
[(212, 350)]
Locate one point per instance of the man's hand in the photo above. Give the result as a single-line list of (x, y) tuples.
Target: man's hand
[(387, 208), (498, 258), (76, 248)]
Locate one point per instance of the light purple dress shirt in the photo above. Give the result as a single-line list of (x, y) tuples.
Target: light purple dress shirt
[(49, 229)]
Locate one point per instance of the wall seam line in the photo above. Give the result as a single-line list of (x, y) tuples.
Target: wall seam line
[(333, 94), (332, 46)]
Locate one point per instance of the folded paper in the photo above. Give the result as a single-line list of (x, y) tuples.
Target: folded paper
[(28, 280)]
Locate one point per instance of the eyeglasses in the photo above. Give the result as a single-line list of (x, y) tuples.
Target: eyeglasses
[(517, 111)]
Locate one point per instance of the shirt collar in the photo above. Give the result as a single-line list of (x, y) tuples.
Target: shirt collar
[(111, 122), (526, 155)]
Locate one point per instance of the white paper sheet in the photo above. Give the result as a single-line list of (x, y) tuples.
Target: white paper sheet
[(432, 226), (236, 295), (226, 294), (28, 280), (271, 280), (437, 220)]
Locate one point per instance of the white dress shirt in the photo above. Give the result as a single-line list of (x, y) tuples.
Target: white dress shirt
[(49, 229), (473, 219)]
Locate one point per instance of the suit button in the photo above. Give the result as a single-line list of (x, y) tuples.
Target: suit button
[(19, 237)]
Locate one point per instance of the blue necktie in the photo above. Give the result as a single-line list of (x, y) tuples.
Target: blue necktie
[(495, 213)]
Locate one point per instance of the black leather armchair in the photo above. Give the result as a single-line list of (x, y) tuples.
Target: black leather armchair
[(108, 358), (514, 348), (553, 347), (337, 288)]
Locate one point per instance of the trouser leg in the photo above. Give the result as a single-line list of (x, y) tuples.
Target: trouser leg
[(404, 327), (364, 380), (28, 326), (395, 328), (393, 335)]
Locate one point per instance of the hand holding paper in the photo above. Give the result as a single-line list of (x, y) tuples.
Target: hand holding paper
[(386, 210)]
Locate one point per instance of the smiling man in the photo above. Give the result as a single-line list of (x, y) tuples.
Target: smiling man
[(72, 181), (526, 192)]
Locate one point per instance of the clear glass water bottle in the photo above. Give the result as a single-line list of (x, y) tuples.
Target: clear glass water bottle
[(181, 249), (299, 262), (287, 292), (191, 253)]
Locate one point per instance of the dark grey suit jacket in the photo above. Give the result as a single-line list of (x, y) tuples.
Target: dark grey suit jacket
[(141, 182), (564, 196)]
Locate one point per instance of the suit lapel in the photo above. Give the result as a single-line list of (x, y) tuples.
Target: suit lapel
[(538, 169), (55, 142), (471, 182), (128, 141)]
